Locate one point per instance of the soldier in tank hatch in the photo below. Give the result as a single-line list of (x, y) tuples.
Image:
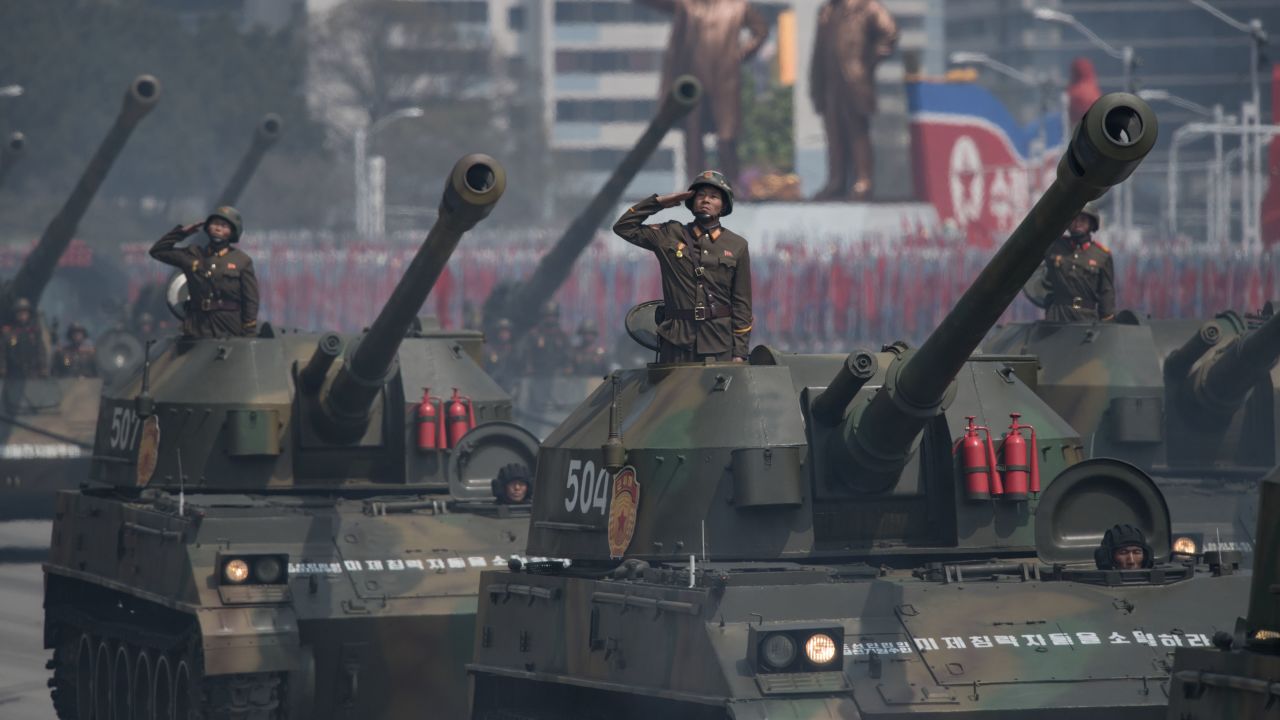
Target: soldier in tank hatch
[(1079, 274), (26, 348), (76, 358), (706, 272), (1124, 547), (514, 485), (221, 281)]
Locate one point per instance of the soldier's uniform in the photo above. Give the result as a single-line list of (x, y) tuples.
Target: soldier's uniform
[(1080, 278), (221, 282), (498, 350), (588, 357), (545, 350), (26, 349), (77, 358), (706, 280)]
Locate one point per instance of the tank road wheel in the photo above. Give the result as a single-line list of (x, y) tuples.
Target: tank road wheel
[(182, 688), (71, 687), (162, 689), (141, 687), (102, 682), (121, 684)]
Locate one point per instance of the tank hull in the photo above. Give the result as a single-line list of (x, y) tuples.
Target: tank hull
[(46, 440), (376, 618), (912, 648)]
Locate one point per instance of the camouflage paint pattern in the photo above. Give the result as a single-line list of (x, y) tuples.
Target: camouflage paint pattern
[(382, 541), (760, 516)]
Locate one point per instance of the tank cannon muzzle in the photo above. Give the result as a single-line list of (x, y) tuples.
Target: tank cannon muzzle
[(472, 189), (1216, 388), (328, 349), (36, 270), (10, 152), (520, 304), (857, 369), (1178, 363), (1111, 140), (265, 134)]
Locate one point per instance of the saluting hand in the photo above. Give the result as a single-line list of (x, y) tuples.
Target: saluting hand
[(674, 199), (187, 230)]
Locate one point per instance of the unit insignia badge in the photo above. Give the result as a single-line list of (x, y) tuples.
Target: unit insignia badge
[(148, 449), (622, 511)]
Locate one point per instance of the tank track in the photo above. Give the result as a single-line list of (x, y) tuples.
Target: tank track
[(175, 654)]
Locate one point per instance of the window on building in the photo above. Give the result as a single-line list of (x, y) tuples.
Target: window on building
[(607, 12), (605, 110), (605, 61)]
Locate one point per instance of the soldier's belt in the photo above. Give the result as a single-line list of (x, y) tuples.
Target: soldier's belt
[(210, 304), (699, 312)]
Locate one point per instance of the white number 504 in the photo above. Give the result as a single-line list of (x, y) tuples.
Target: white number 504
[(586, 488)]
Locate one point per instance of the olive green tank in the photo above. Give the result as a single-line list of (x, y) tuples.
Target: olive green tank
[(46, 424), (282, 531), (1240, 678), (811, 537)]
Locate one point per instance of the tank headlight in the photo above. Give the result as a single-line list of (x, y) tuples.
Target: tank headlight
[(1266, 636), (236, 571), (820, 648), (1185, 546), (267, 570), (778, 651)]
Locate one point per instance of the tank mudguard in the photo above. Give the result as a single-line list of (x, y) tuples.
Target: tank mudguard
[(249, 639)]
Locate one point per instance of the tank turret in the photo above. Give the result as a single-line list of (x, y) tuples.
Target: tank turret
[(521, 303), (265, 135), (873, 432), (290, 410), (10, 152), (36, 270), (1215, 389)]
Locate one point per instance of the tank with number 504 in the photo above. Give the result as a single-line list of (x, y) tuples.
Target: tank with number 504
[(282, 526), (839, 537)]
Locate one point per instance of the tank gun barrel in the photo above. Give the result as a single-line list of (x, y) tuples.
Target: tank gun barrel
[(1111, 140), (473, 188), (36, 270), (1219, 385), (264, 136), (521, 306), (10, 152)]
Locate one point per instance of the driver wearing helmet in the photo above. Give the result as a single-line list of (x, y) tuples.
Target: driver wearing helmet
[(220, 278), (1124, 547), (706, 272)]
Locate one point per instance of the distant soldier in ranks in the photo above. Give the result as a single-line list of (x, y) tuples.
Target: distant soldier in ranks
[(77, 358), (26, 348)]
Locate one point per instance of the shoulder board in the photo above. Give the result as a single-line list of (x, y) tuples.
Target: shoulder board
[(1102, 247)]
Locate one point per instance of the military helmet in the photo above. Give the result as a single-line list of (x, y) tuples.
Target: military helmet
[(550, 309), (508, 474), (1095, 219), (1121, 536), (74, 328), (503, 324), (21, 304), (232, 216), (715, 179)]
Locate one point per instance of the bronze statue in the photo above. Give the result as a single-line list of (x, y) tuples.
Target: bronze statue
[(853, 37), (706, 43)]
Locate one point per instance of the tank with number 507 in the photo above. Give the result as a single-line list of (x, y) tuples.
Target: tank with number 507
[(286, 527), (841, 537)]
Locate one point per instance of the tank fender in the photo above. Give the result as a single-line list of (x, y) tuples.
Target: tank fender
[(817, 708), (249, 639)]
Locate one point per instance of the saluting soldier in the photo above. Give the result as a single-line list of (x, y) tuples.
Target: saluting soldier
[(77, 358), (26, 348), (1079, 274), (706, 272), (220, 278)]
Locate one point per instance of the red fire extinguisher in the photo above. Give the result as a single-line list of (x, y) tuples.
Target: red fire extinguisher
[(1021, 468), (978, 463), (459, 417), (428, 422)]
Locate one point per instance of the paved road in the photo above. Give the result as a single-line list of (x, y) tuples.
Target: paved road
[(23, 692)]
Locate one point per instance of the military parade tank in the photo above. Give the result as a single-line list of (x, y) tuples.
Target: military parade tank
[(834, 537), (47, 424), (10, 152), (542, 401), (285, 531), (265, 134), (1192, 402), (1237, 679)]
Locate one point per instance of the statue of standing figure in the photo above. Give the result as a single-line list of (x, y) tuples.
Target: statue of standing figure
[(853, 37), (706, 42)]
